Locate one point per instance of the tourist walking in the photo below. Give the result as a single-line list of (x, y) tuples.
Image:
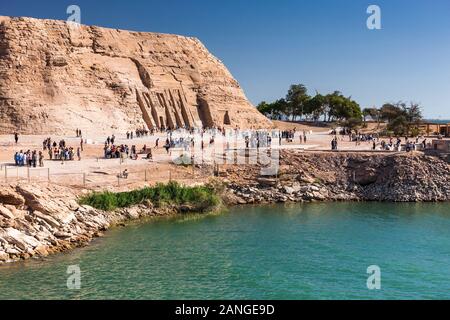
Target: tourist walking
[(16, 137), (41, 159), (334, 144), (34, 159), (167, 145), (29, 159), (62, 155)]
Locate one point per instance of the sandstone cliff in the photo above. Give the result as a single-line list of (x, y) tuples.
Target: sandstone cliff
[(56, 77)]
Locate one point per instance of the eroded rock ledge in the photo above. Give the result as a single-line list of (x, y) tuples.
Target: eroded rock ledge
[(342, 177), (38, 220)]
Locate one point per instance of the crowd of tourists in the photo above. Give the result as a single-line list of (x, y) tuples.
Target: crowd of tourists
[(361, 137), (140, 132), (185, 139), (289, 136), (113, 151), (143, 132), (392, 145), (55, 151), (123, 151), (377, 144), (29, 158), (60, 151)]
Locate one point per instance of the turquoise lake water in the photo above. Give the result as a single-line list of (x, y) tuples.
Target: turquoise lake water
[(310, 251)]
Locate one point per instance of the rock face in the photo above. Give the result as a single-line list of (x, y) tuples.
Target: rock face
[(47, 219), (343, 177), (56, 77)]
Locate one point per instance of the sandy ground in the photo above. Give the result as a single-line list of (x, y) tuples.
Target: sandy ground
[(95, 172)]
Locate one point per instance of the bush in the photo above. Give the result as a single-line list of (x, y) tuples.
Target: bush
[(199, 198)]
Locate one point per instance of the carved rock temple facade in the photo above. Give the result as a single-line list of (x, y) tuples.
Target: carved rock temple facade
[(56, 77)]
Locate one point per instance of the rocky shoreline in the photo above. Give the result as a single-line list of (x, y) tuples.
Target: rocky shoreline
[(306, 177), (38, 220)]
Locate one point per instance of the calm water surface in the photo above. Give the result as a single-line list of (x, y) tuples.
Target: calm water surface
[(310, 251)]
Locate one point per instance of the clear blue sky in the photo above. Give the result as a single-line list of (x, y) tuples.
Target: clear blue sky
[(270, 44)]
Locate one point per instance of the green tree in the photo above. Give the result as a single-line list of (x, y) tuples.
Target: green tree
[(414, 117), (315, 106), (343, 108), (402, 119), (265, 108), (274, 110), (296, 98), (390, 111), (280, 108), (331, 101), (399, 125), (333, 106), (414, 113)]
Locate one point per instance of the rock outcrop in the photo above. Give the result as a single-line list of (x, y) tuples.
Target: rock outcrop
[(343, 177), (56, 77), (38, 220)]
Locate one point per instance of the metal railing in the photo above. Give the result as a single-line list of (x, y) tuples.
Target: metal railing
[(101, 179)]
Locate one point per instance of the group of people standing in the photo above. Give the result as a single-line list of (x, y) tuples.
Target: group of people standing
[(289, 135), (29, 158), (140, 132), (56, 151), (378, 144), (59, 151), (112, 151)]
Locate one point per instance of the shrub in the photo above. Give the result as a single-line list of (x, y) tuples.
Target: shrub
[(199, 198)]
